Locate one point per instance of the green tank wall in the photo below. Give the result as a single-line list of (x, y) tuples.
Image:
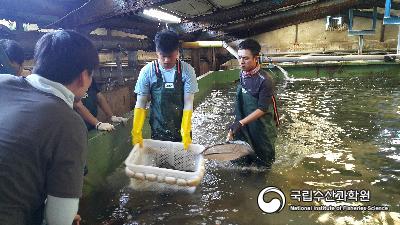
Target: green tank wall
[(339, 70)]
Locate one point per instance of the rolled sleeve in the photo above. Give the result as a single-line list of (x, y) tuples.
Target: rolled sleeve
[(189, 79), (265, 95), (142, 86)]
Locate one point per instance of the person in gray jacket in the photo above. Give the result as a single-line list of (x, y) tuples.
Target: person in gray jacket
[(43, 141)]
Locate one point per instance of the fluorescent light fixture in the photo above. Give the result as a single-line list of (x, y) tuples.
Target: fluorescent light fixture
[(162, 16), (8, 23)]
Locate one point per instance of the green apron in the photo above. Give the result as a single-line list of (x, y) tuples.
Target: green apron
[(166, 108), (260, 134)]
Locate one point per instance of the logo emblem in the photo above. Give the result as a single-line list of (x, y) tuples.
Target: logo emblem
[(275, 205), (169, 85)]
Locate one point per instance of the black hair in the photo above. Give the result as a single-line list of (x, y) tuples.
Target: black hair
[(62, 55), (251, 45), (166, 41), (13, 50)]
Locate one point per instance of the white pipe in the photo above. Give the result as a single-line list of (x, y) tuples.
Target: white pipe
[(202, 44), (230, 49), (398, 42), (210, 44), (308, 58)]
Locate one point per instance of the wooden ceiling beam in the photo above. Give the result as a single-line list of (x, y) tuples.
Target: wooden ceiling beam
[(290, 17), (98, 10), (245, 11), (28, 41), (39, 7)]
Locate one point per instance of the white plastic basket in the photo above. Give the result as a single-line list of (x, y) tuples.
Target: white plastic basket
[(165, 166)]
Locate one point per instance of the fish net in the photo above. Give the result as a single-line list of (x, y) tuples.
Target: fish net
[(165, 166), (228, 151)]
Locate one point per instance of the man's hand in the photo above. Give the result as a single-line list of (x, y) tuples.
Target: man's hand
[(139, 115), (229, 137), (137, 138), (104, 126), (235, 127), (118, 119), (77, 220)]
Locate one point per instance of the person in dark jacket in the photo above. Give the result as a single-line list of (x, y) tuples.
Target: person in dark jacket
[(256, 111), (43, 141), (11, 57)]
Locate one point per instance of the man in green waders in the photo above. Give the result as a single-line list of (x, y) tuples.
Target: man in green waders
[(170, 84), (256, 111)]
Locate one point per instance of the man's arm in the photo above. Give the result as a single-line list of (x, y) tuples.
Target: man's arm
[(60, 211), (64, 176), (89, 118), (189, 79), (190, 87), (235, 127), (85, 113), (264, 100), (102, 102), (139, 115), (252, 117), (142, 86), (142, 89), (188, 100)]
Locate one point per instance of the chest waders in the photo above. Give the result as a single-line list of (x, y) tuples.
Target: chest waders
[(261, 133), (166, 108)]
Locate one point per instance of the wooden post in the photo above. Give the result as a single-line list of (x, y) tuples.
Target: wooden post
[(195, 58), (382, 37), (132, 63)]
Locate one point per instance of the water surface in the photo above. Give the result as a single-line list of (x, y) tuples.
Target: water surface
[(336, 134)]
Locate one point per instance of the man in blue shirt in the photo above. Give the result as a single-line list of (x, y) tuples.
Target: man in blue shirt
[(256, 110), (170, 84)]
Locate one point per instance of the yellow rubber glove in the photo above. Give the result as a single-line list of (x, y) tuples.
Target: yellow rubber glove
[(138, 120), (186, 127)]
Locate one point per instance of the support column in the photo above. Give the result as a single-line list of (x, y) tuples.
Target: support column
[(20, 26), (382, 37), (209, 59), (360, 44), (214, 61), (398, 42), (132, 63), (195, 58), (118, 61)]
